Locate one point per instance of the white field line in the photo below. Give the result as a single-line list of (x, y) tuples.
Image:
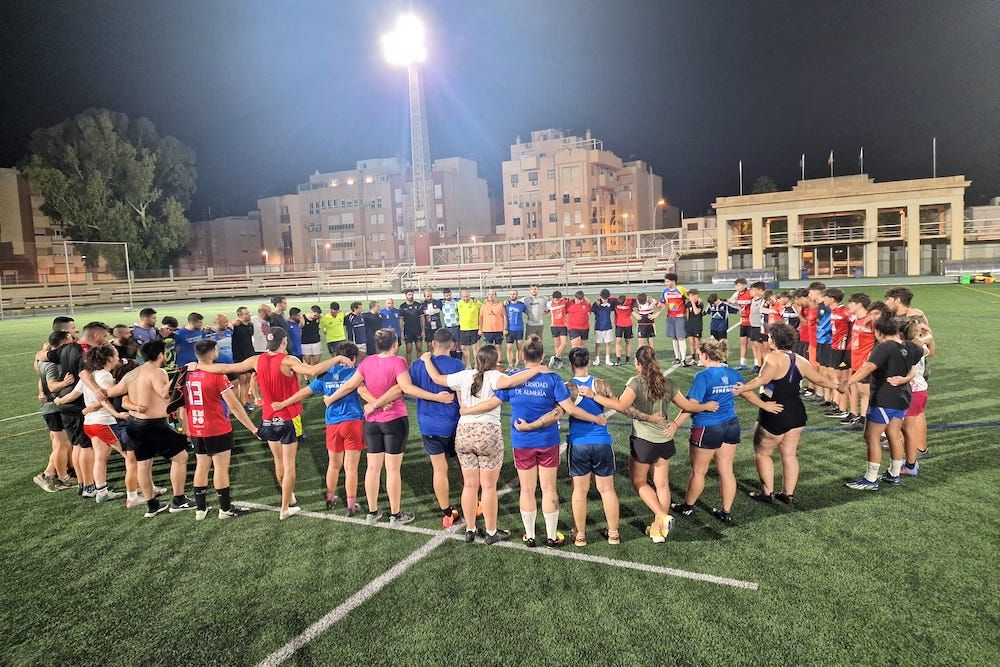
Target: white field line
[(30, 414), (15, 354)]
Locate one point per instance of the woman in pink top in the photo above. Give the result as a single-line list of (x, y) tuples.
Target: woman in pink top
[(387, 426)]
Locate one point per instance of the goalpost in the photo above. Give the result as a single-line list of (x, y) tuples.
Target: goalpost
[(69, 277)]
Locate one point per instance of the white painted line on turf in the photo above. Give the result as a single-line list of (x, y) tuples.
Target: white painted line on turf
[(350, 604), (30, 414), (15, 354)]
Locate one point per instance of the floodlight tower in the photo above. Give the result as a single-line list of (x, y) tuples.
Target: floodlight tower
[(405, 46)]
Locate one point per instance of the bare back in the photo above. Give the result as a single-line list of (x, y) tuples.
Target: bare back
[(144, 387)]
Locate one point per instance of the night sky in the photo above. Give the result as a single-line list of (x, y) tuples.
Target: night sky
[(268, 92)]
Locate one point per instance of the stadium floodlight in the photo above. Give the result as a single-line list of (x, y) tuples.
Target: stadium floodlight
[(405, 45)]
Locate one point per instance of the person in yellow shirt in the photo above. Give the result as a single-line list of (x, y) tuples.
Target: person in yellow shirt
[(468, 327), (332, 326)]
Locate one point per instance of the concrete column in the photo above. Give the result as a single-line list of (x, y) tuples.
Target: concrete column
[(722, 243), (871, 247), (957, 229), (757, 241), (912, 235), (794, 251)]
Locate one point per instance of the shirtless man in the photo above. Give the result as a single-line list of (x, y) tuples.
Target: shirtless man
[(148, 389), (277, 376)]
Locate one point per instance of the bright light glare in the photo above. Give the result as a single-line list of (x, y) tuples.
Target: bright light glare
[(405, 44)]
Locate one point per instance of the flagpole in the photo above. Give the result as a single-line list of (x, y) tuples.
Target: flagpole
[(934, 151), (741, 177), (862, 159), (802, 165), (831, 164)]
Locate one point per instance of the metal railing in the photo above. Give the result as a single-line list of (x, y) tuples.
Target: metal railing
[(830, 235)]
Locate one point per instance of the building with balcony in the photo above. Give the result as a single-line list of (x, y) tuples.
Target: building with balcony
[(364, 216), (227, 245), (845, 225), (557, 186)]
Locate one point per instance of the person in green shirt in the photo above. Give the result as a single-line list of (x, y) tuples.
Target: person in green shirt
[(332, 326), (651, 444)]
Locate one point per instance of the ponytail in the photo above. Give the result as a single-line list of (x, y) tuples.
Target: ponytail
[(486, 360), (650, 372)]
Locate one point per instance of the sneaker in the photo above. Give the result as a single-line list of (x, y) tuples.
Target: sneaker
[(528, 541), (107, 494), (552, 361), (911, 472), (134, 502), (607, 361), (499, 536), (46, 484), (401, 519), (786, 498), (290, 512), (884, 444), (597, 361), (294, 501), (895, 480), (183, 506), (470, 536), (665, 528), (835, 413), (557, 542), (760, 496), (332, 502), (88, 493), (678, 362), (807, 393), (628, 359), (158, 491), (351, 511), (199, 515), (617, 362), (923, 454), (755, 369), (848, 420), (150, 514), (233, 512), (682, 508), (70, 483), (862, 484), (722, 515), (373, 517), (450, 519), (741, 367)]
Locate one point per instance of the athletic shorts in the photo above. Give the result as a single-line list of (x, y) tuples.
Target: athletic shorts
[(122, 434), (587, 459), (713, 437), (154, 437), (582, 334), (479, 445), (54, 421), (694, 330), (213, 444), (558, 331), (534, 330), (101, 431), (429, 334), (644, 451), (917, 404), (744, 330), (884, 415), (801, 348), (279, 429), (676, 327), (623, 332), (757, 335), (836, 359), (822, 353), (456, 334), (332, 347), (439, 444), (646, 331), (468, 337), (346, 436), (604, 336), (73, 423), (493, 337), (514, 336), (411, 337), (311, 349), (526, 458), (387, 437), (720, 335)]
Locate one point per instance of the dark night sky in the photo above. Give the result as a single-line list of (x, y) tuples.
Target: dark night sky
[(268, 92)]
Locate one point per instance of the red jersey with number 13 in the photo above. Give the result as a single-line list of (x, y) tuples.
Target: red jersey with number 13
[(206, 409)]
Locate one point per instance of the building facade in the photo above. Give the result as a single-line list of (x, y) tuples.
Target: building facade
[(227, 244), (363, 216), (556, 186)]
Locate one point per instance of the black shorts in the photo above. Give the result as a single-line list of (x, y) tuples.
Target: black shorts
[(757, 335), (623, 332), (387, 437), (410, 336), (558, 331), (54, 421), (582, 334), (801, 348), (713, 437), (744, 330), (279, 429), (73, 424), (493, 337), (720, 335), (455, 333), (647, 331), (429, 334), (644, 451), (514, 336), (839, 360), (213, 444), (154, 437), (332, 347), (439, 444), (468, 337), (694, 330)]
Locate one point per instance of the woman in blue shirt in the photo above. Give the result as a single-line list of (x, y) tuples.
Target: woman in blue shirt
[(714, 435)]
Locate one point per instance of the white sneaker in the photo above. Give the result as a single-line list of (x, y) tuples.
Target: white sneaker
[(107, 494), (199, 515), (552, 360), (134, 502), (291, 511), (158, 491), (607, 361), (597, 361)]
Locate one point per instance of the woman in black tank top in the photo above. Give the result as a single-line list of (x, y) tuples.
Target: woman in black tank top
[(778, 382)]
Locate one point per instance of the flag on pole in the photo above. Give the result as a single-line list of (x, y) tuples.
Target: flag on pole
[(829, 161), (861, 159)]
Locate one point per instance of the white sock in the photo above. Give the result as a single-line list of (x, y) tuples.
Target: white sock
[(133, 495), (895, 466), (528, 519), (673, 342), (682, 344), (607, 360), (551, 523), (872, 474)]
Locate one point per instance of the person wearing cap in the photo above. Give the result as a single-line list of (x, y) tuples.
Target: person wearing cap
[(277, 377), (145, 330)]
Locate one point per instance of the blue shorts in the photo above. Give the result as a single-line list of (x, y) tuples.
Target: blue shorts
[(439, 444), (586, 459), (884, 415), (493, 337), (513, 336), (469, 337), (278, 429), (713, 437), (676, 327)]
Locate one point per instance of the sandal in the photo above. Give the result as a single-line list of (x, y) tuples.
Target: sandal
[(612, 536), (786, 498), (762, 497), (580, 540)]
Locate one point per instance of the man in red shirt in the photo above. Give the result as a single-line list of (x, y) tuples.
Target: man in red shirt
[(839, 363), (862, 343), (557, 309), (578, 320), (206, 396), (277, 373), (741, 299), (624, 312)]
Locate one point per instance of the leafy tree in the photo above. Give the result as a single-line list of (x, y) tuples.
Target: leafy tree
[(107, 177), (763, 184)]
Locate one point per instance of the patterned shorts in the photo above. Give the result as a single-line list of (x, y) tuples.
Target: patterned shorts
[(479, 445)]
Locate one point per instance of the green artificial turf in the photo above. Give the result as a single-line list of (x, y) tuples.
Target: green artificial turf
[(906, 575)]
